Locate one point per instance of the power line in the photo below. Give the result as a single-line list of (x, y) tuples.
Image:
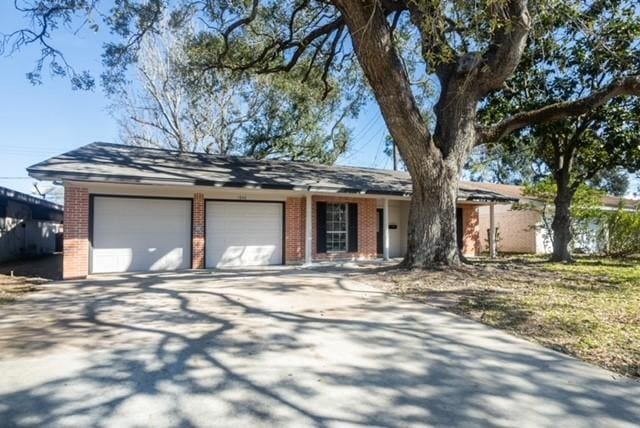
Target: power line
[(375, 159), (362, 146), (361, 134)]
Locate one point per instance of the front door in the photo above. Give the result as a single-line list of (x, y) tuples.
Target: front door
[(379, 234)]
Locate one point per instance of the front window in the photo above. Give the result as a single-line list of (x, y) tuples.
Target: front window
[(336, 227)]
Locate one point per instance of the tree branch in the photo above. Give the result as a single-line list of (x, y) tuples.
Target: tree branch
[(555, 112), (382, 66), (507, 47), (301, 46), (327, 64), (239, 23)]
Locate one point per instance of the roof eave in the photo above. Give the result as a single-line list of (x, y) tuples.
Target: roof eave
[(123, 179)]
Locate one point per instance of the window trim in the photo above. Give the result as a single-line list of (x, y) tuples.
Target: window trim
[(345, 231)]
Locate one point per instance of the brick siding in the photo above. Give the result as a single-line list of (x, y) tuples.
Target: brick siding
[(76, 233), (471, 230), (198, 232), (516, 229), (295, 219)]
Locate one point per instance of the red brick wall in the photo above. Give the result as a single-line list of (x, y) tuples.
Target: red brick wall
[(198, 230), (471, 227), (76, 233), (515, 229), (366, 228), (295, 219)]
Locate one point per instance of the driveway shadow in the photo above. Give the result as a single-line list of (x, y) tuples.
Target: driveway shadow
[(292, 348)]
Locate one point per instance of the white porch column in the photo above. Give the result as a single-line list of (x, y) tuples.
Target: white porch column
[(385, 230), (492, 232), (308, 233)]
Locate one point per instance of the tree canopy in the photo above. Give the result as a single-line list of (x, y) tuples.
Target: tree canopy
[(572, 57), (165, 103)]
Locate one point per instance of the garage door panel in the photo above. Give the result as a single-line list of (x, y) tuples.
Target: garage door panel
[(135, 234), (243, 234)]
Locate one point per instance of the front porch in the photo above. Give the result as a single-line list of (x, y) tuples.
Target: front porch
[(364, 228)]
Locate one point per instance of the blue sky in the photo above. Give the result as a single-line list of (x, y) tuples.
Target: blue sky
[(37, 122)]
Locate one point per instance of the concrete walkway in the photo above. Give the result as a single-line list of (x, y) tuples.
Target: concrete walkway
[(280, 348)]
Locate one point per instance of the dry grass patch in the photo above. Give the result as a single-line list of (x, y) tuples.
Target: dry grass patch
[(12, 287), (590, 309)]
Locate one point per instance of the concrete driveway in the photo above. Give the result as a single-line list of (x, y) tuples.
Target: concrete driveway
[(280, 348)]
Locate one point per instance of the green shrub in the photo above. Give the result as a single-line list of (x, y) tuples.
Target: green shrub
[(622, 233)]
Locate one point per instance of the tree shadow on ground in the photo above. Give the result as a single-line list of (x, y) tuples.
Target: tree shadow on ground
[(279, 348)]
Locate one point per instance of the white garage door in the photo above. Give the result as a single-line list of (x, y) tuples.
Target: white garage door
[(243, 234), (135, 234)]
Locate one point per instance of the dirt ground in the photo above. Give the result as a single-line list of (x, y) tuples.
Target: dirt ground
[(18, 277), (47, 267)]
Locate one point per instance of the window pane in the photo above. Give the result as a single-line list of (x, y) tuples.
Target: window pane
[(336, 227)]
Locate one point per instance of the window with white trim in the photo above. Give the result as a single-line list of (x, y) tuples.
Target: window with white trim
[(337, 227)]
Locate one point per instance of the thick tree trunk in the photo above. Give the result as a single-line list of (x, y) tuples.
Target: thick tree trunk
[(561, 224), (434, 161), (435, 174), (432, 219)]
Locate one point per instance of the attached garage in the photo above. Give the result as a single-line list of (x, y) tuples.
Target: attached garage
[(244, 233), (131, 234)]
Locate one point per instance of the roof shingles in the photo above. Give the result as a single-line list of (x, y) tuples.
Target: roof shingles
[(128, 164)]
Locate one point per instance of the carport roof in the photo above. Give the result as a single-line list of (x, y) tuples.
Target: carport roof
[(116, 163)]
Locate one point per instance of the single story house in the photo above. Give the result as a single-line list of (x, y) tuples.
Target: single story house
[(522, 231), (144, 209), (29, 226)]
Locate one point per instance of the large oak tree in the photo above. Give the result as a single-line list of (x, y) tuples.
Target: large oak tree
[(470, 50)]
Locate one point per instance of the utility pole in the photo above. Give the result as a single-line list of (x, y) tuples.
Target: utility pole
[(395, 157)]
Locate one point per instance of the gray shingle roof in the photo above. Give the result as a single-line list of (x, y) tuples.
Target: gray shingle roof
[(105, 162)]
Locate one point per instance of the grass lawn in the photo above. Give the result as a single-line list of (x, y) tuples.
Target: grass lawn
[(590, 309)]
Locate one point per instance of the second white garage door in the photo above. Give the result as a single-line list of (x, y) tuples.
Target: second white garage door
[(243, 234)]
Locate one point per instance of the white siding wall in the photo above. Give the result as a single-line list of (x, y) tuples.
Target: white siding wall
[(398, 216)]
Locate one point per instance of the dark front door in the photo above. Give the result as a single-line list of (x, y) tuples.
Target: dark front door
[(379, 234), (459, 231)]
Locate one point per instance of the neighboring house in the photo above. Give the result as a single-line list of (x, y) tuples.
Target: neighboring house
[(522, 231), (141, 209), (29, 226)]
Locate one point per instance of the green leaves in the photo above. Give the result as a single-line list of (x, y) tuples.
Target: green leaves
[(622, 232), (575, 49)]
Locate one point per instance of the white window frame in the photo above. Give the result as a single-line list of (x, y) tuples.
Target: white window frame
[(329, 231)]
